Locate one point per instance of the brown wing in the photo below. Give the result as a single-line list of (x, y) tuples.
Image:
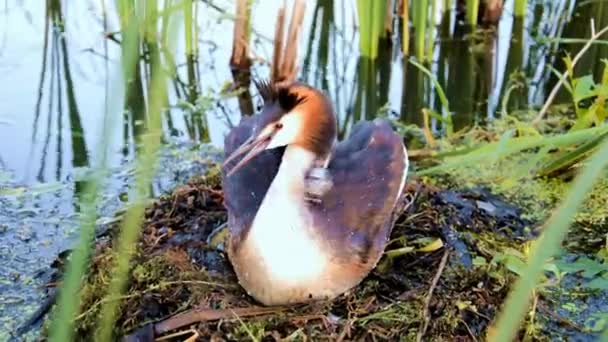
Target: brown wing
[(356, 215), (245, 189)]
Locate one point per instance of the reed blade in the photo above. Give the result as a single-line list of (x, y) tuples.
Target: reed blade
[(405, 34), (472, 12), (521, 7), (420, 17)]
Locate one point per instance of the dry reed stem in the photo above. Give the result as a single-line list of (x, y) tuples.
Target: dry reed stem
[(278, 43), (284, 67), (202, 315), (240, 43)]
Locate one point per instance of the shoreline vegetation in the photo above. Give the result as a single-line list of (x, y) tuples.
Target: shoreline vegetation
[(459, 228)]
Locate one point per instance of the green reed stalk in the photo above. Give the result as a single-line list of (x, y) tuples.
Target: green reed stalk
[(363, 10), (445, 103), (547, 245), (370, 26), (378, 15), (420, 16), (405, 36), (431, 45), (68, 303), (188, 27), (521, 7), (472, 12), (146, 162), (447, 6)]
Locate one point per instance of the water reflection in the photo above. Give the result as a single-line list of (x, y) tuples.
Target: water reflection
[(60, 92), (504, 65)]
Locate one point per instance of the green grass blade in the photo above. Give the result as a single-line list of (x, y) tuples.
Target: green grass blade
[(129, 232), (445, 103), (68, 302), (515, 145), (502, 144), (569, 158), (548, 244)]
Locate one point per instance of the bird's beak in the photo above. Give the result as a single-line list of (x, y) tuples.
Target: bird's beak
[(253, 145)]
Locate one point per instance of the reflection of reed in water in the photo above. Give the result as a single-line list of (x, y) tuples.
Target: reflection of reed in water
[(55, 45), (326, 61)]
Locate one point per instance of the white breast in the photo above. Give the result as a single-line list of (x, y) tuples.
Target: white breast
[(282, 239), (284, 256)]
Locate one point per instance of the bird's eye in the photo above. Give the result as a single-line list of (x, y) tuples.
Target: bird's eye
[(278, 125)]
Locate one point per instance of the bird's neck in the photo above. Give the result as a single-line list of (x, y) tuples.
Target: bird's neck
[(295, 164)]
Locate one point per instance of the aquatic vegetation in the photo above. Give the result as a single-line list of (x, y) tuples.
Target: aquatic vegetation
[(472, 12), (371, 20), (521, 7), (590, 100)]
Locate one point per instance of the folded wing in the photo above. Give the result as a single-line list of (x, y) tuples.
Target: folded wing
[(368, 170)]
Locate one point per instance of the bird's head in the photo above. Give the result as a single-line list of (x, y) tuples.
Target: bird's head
[(292, 114)]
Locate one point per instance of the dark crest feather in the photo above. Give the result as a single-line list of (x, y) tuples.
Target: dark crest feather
[(271, 92), (267, 90)]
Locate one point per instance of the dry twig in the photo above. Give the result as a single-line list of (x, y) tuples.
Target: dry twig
[(429, 296), (202, 315)]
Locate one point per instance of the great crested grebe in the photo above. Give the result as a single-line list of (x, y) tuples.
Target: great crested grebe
[(308, 217)]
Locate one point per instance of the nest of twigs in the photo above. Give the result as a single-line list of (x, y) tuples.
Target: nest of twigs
[(181, 287)]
